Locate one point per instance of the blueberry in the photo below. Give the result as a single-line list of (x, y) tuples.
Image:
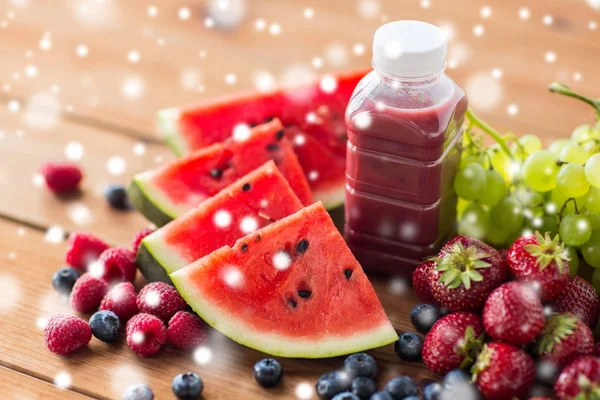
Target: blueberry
[(363, 387), (383, 395), (456, 376), (409, 346), (411, 398), (116, 195), (268, 372), (332, 383), (346, 396), (64, 279), (187, 386), (106, 326), (401, 387), (433, 391), (423, 316), (139, 391), (360, 364)]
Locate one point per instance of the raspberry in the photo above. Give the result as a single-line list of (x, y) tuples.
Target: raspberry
[(65, 334), (186, 330), (160, 299), (61, 178), (122, 300), (87, 293), (146, 334), (137, 239), (82, 249), (118, 265)]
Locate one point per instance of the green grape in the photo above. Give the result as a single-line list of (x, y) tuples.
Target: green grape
[(582, 134), (474, 221), (507, 215), (469, 182), (545, 223), (468, 159), (461, 204), (571, 181), (591, 200), (575, 229), (495, 188), (539, 171), (596, 280), (594, 220), (591, 250), (501, 162), (559, 199), (556, 146), (528, 197), (573, 153), (573, 260), (530, 143), (592, 170), (496, 236)]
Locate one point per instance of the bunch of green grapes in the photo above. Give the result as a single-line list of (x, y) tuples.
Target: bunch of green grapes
[(516, 187)]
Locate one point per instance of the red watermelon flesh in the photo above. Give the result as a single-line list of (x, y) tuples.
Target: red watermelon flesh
[(182, 184), (315, 109), (254, 201), (292, 289)]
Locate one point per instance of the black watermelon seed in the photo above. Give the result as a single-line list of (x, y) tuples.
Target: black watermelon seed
[(279, 134), (302, 246), (272, 147), (244, 247), (257, 238), (292, 303), (253, 124), (216, 173), (347, 273), (246, 187), (305, 294), (269, 119)]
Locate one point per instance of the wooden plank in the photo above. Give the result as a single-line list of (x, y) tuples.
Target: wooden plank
[(104, 371), (23, 149), (92, 85), (17, 386)]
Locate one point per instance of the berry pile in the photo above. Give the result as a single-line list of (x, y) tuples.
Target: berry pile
[(515, 320), (149, 319), (515, 187)]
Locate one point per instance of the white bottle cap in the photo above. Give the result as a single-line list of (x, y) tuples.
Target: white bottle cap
[(409, 49)]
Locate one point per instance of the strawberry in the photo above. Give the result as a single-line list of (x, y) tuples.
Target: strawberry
[(513, 313), (541, 262), (466, 272), (422, 283), (564, 338), (597, 350), (580, 298), (503, 372), (580, 380), (454, 341)]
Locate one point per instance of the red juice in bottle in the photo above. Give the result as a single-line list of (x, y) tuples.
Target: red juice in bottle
[(404, 125)]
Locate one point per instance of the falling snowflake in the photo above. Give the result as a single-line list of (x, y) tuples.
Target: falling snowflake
[(190, 78), (485, 12), (184, 13), (45, 43), (304, 391), (80, 214), (497, 73), (62, 380), (368, 8), (139, 149), (297, 74), (233, 277), (362, 120), (43, 110), (230, 79), (548, 20), (485, 92), (82, 50), (336, 54), (222, 219), (328, 84), (54, 234), (37, 180), (595, 4), (31, 71), (21, 231), (309, 13), (275, 29), (317, 62), (248, 225), (227, 13), (260, 24), (152, 11), (282, 260), (512, 109), (133, 56), (425, 4), (550, 57), (14, 106), (299, 139), (478, 30), (209, 22), (313, 176), (74, 151), (264, 81), (116, 165), (393, 50), (358, 49), (138, 337), (577, 76), (132, 87), (448, 30), (203, 355), (241, 132), (592, 25), (524, 14)]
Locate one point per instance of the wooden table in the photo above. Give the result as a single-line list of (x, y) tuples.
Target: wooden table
[(70, 84)]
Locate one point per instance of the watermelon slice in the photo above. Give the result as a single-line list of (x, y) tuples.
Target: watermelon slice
[(254, 201), (317, 110), (169, 191), (291, 289)]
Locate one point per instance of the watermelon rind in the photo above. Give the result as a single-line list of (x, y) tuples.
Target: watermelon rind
[(155, 260), (168, 125), (278, 345), (152, 203)]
